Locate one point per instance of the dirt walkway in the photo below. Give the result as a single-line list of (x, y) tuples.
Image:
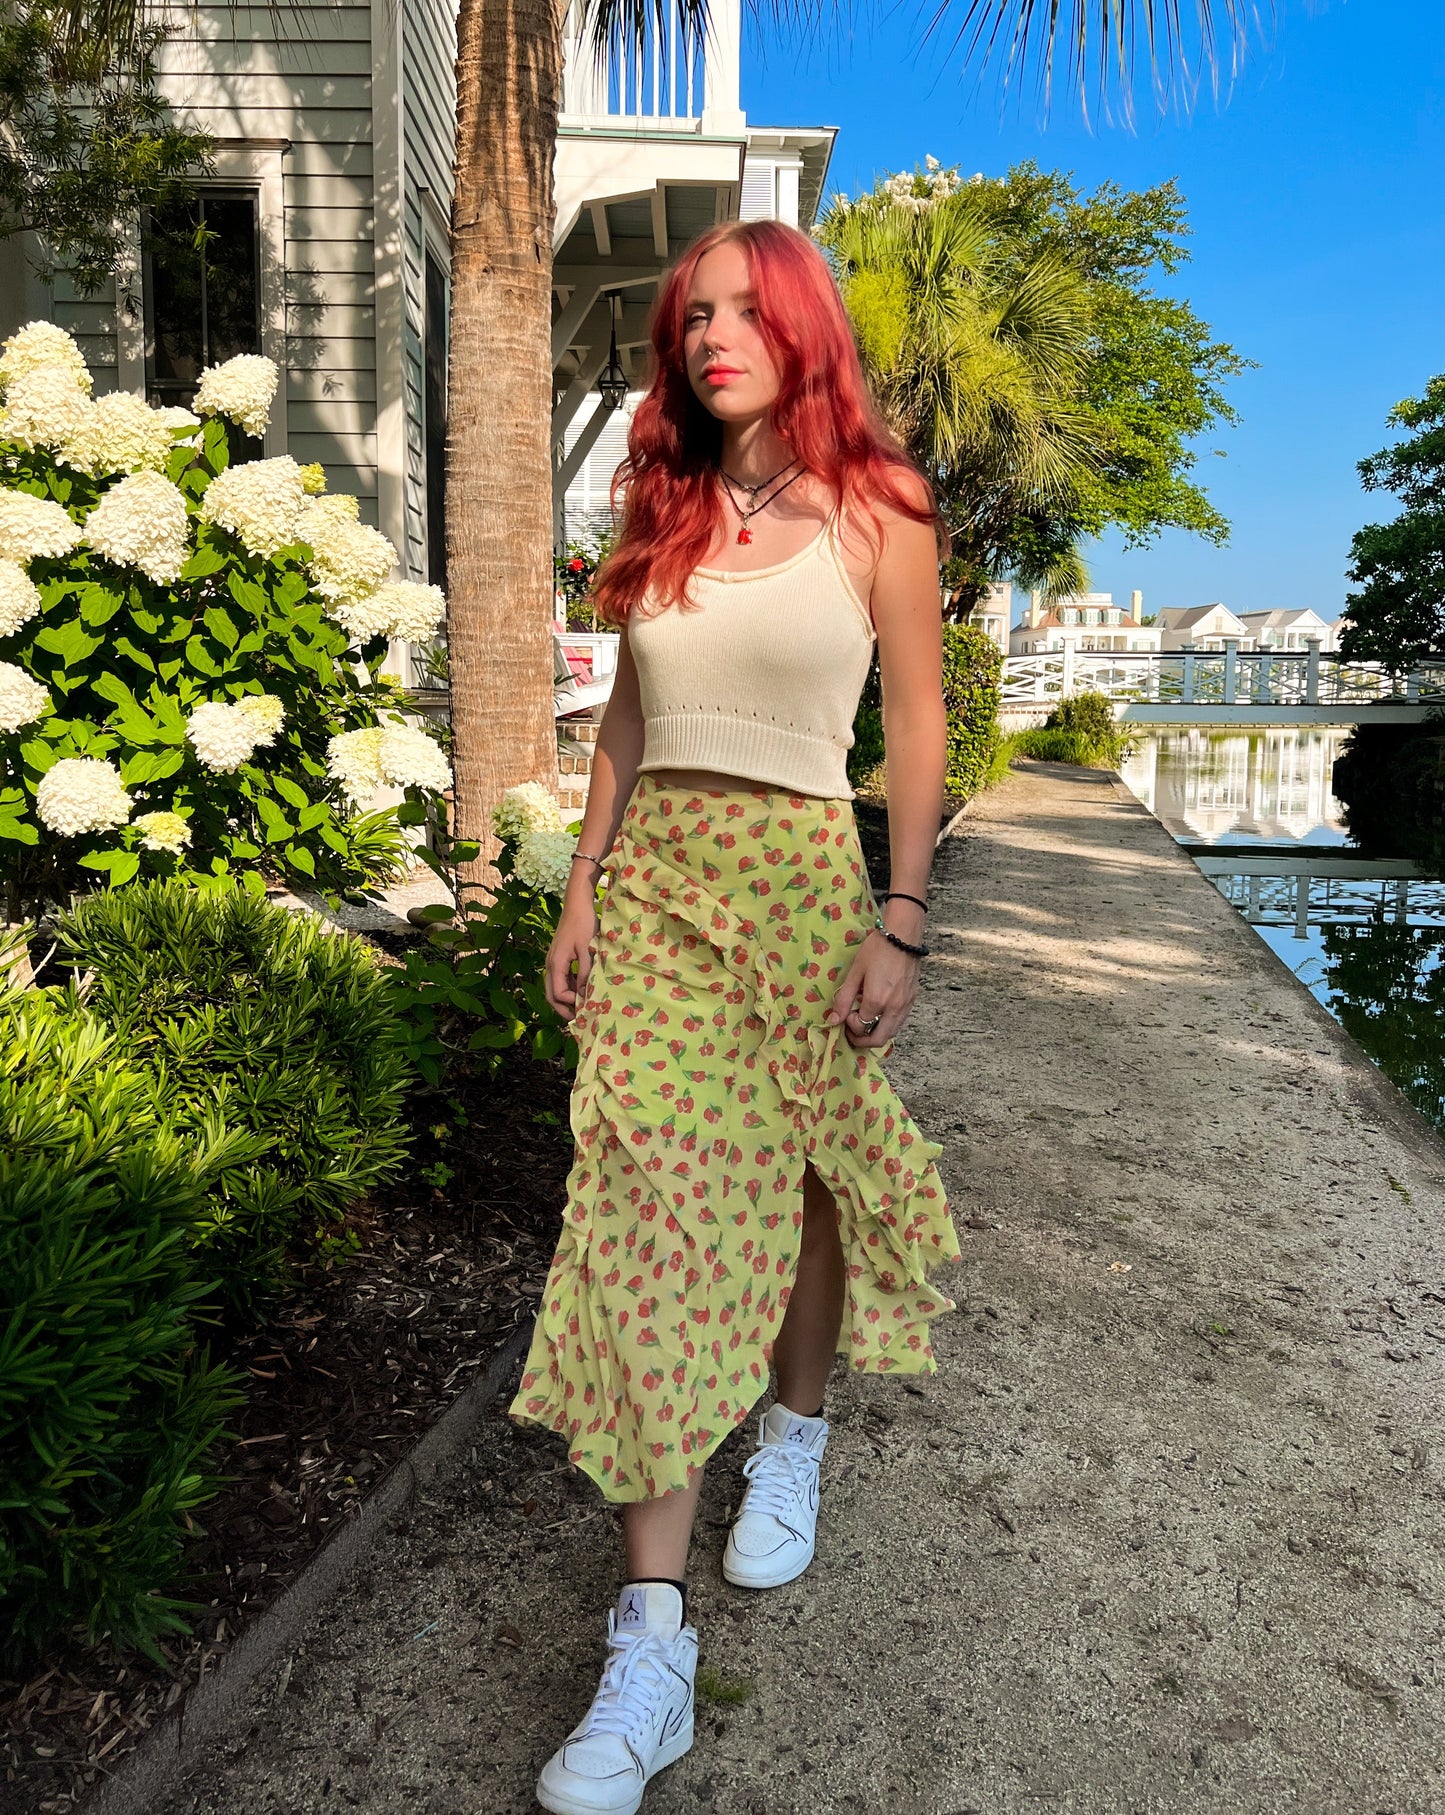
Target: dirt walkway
[(1165, 1532)]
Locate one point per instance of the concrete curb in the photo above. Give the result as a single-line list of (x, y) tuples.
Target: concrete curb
[(220, 1703)]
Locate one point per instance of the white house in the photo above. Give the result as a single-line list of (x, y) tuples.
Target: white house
[(992, 613), (330, 220), (1088, 621), (1201, 627), (1288, 629)]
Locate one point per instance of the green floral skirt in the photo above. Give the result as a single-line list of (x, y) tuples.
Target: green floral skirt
[(706, 1080)]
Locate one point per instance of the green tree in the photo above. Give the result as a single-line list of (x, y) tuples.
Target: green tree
[(86, 141), (1018, 345), (1398, 614), (977, 359)]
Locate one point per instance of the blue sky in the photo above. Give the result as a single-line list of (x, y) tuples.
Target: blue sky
[(1316, 197)]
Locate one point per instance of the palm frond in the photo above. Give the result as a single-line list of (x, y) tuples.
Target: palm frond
[(1096, 45)]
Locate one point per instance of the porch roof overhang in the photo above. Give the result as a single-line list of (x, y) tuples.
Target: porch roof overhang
[(628, 205)]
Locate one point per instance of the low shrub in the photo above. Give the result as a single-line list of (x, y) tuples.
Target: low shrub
[(1089, 729), (107, 1405), (478, 986), (1054, 744), (971, 667), (241, 1011)]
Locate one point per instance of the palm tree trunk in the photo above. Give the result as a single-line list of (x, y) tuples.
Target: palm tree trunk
[(499, 465)]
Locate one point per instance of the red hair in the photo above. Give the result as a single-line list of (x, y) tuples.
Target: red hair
[(672, 504)]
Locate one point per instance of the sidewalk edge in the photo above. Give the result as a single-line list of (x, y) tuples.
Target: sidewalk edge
[(154, 1771)]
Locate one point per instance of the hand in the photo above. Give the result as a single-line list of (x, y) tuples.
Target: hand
[(880, 981), (571, 944)]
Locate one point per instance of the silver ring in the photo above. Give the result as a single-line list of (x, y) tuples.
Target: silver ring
[(868, 1026)]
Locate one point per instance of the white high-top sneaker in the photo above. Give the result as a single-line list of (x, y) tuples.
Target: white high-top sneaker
[(774, 1535), (641, 1715)]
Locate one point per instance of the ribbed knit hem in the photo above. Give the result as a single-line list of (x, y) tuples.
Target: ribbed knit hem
[(758, 748)]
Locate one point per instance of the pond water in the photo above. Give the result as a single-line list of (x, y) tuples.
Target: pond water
[(1366, 935)]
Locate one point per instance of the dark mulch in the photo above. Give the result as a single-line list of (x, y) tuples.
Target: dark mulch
[(349, 1371), (872, 818)]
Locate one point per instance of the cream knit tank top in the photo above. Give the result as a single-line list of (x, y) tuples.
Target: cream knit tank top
[(761, 675)]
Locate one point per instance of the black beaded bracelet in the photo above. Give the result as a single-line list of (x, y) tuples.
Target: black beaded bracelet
[(898, 895), (914, 951)]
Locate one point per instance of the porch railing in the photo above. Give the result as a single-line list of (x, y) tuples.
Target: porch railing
[(673, 79)]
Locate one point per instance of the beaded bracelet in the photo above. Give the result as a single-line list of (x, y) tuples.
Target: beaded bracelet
[(587, 857), (898, 895), (914, 951)]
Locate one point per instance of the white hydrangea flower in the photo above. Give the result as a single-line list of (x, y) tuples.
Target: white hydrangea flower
[(266, 715), (544, 861), (348, 559), (142, 523), (261, 503), (19, 597), (527, 808), (163, 832), (242, 388), (353, 761), (44, 408), (313, 477), (39, 344), (225, 733), (120, 433), (82, 794), (362, 619), (416, 611), (408, 758), (34, 527), (179, 423), (22, 699)]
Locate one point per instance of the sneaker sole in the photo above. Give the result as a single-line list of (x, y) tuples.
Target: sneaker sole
[(559, 1802), (762, 1576)]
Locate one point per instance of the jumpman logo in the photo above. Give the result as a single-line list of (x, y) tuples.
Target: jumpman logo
[(634, 1610)]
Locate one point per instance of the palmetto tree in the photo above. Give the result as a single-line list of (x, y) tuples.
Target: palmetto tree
[(976, 362)]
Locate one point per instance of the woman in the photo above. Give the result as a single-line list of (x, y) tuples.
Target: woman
[(746, 1187)]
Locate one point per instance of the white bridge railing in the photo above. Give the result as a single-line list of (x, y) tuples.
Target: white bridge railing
[(1206, 677)]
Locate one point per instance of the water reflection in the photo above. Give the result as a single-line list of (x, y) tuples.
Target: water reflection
[(1365, 935), (1240, 787)]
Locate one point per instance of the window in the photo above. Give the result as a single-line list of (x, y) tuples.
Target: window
[(1071, 616), (203, 300), (434, 418)]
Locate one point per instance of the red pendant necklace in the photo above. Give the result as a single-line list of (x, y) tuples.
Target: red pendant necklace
[(745, 534)]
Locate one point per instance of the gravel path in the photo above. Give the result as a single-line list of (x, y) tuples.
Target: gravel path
[(1163, 1534)]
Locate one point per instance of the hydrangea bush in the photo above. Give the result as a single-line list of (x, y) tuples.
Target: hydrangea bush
[(190, 651), (479, 987)]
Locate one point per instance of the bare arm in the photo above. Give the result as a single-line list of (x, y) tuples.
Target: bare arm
[(615, 758), (882, 980), (909, 621)]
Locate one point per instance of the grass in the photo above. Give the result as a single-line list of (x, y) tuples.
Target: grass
[(710, 1685)]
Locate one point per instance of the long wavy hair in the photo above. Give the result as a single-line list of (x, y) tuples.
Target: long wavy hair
[(672, 505)]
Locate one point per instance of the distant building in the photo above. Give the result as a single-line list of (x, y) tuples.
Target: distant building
[(992, 613), (1201, 627), (1288, 629), (1088, 621)]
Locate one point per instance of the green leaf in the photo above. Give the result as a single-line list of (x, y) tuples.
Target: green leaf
[(298, 855), (200, 657), (214, 444), (70, 641), (19, 831), (221, 626), (99, 604), (435, 912), (273, 819), (203, 563), (124, 646), (122, 865), (293, 795)]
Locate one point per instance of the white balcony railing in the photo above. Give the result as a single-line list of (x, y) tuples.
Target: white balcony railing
[(674, 80)]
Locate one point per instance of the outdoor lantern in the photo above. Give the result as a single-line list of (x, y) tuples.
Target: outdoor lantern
[(612, 385)]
